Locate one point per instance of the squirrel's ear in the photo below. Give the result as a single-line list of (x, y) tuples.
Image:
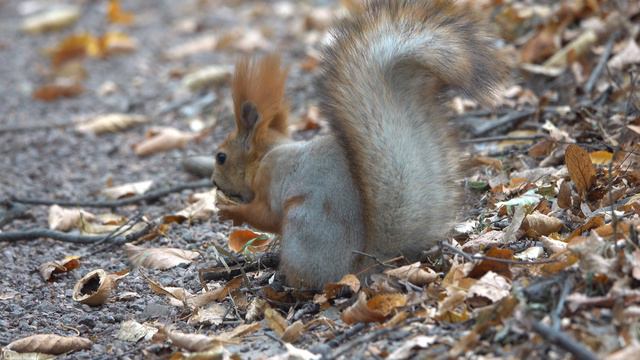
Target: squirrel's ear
[(249, 115)]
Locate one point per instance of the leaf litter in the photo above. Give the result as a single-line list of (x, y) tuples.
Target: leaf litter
[(549, 235)]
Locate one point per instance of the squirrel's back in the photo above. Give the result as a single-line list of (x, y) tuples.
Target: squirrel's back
[(384, 79)]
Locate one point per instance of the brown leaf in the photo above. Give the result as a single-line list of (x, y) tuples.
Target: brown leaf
[(116, 15), (375, 310), (275, 321), (50, 344), (95, 288), (564, 196), (57, 90), (133, 331), (592, 223), (162, 139), (58, 267), (601, 157), (111, 123), (544, 44), (242, 239), (158, 258), (192, 342), (414, 274), (348, 284), (537, 224), (493, 265), (581, 170)]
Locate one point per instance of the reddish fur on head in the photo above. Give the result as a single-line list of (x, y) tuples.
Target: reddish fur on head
[(261, 122)]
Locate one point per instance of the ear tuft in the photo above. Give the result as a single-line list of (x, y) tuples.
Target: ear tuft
[(249, 114)]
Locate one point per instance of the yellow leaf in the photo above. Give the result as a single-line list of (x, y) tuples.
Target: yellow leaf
[(601, 157), (241, 239), (116, 15)]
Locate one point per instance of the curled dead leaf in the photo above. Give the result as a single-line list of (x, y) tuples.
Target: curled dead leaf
[(95, 288), (207, 77), (242, 239), (349, 284), (50, 344), (62, 219), (581, 170), (126, 190), (162, 139), (133, 331), (191, 342), (537, 224), (203, 208), (111, 123), (57, 267), (491, 287), (158, 258), (377, 309), (414, 274), (53, 19)]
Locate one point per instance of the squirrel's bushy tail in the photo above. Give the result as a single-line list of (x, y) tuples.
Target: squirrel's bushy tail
[(384, 76)]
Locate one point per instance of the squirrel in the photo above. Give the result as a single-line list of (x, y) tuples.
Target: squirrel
[(382, 182)]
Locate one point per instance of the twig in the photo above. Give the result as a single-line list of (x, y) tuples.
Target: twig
[(369, 337), (470, 257), (567, 286), (505, 120), (33, 234), (269, 260), (602, 62), (564, 341), (32, 127), (347, 334), (14, 212), (150, 196), (502, 138), (378, 261)]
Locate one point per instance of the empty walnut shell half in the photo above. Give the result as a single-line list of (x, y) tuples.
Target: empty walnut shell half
[(95, 287)]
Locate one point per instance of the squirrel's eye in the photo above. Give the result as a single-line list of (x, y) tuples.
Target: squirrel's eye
[(221, 158)]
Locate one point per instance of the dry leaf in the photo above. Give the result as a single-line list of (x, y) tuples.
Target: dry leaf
[(601, 157), (275, 321), (62, 219), (158, 258), (375, 310), (553, 246), (581, 170), (240, 331), (78, 46), (531, 253), (205, 43), (111, 123), (564, 196), (545, 43), (573, 50), (57, 267), (537, 224), (294, 353), (95, 287), (629, 55), (62, 88), (115, 43), (406, 350), (50, 344), (493, 265), (241, 240), (116, 15), (490, 286), (349, 281), (126, 190), (211, 314), (162, 139), (133, 331), (414, 274), (203, 209), (207, 77), (191, 342), (57, 18)]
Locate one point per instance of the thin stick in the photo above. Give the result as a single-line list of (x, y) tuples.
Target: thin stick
[(150, 196), (602, 62), (470, 257), (564, 341), (37, 233), (502, 138)]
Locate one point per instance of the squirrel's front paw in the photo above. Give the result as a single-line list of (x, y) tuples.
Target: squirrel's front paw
[(226, 212)]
